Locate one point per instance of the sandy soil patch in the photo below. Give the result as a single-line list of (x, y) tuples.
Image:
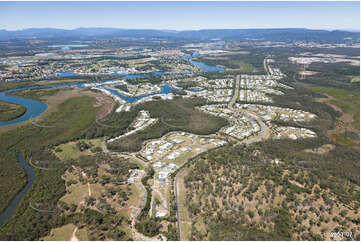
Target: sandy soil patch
[(322, 149), (73, 237), (308, 73), (355, 63)]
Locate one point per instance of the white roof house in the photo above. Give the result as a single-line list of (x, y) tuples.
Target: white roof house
[(158, 164), (160, 214), (162, 176), (178, 141)]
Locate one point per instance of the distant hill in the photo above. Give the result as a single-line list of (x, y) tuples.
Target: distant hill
[(285, 34)]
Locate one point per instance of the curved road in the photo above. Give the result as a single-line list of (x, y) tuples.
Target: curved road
[(261, 125), (265, 65)]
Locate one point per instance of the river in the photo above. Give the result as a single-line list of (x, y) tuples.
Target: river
[(30, 177), (34, 108)]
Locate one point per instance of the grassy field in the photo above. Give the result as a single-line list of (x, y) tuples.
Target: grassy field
[(134, 201), (71, 151), (355, 79), (82, 234), (344, 140), (68, 151), (247, 62), (78, 192), (9, 111), (63, 233), (12, 85), (37, 94), (242, 66), (230, 64), (53, 101), (348, 101)]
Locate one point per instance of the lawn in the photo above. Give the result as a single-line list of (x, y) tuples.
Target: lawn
[(348, 101)]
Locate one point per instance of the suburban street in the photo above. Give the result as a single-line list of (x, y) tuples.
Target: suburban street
[(236, 92), (262, 125), (265, 65)]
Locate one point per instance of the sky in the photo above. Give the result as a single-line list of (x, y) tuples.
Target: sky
[(180, 15)]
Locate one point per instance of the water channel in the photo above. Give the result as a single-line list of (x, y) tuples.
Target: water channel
[(34, 108)]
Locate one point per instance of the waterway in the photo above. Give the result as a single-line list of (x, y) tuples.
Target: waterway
[(30, 177), (66, 47), (207, 68), (34, 108), (164, 90)]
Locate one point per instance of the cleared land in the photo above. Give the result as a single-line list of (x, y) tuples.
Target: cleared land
[(347, 102), (70, 150), (184, 220), (355, 79), (63, 233)]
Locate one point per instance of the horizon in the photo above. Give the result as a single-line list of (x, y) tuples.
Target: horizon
[(181, 16), (158, 29)]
